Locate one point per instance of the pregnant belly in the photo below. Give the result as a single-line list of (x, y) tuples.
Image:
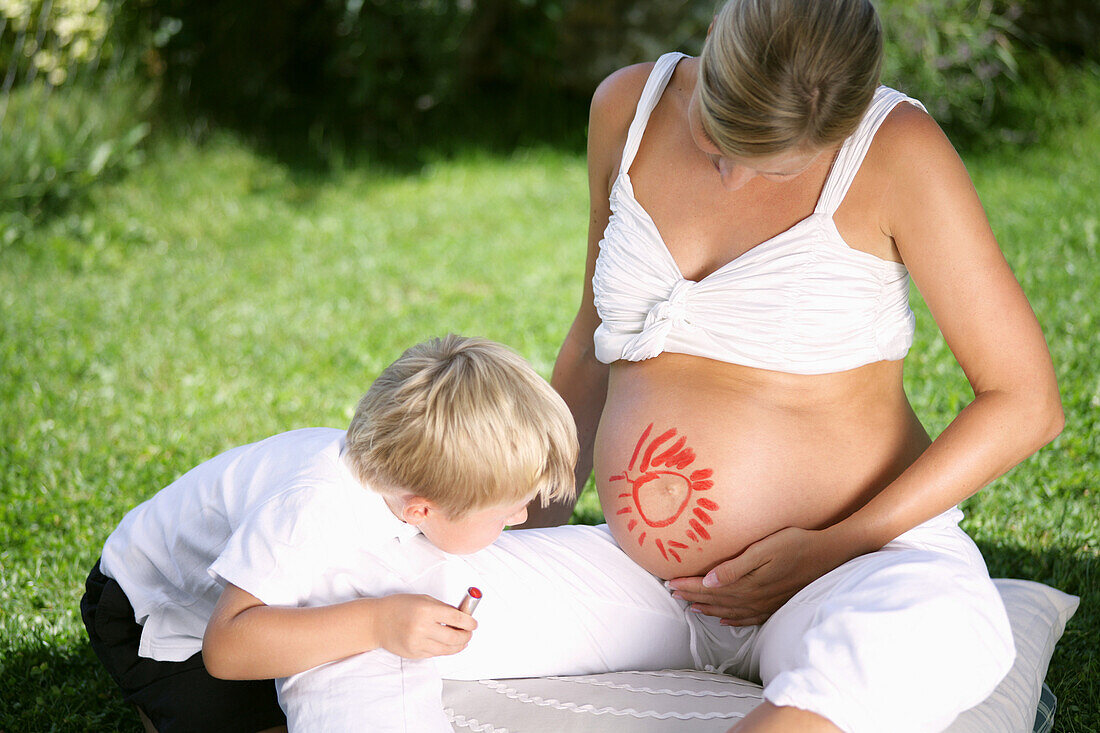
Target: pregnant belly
[(690, 474)]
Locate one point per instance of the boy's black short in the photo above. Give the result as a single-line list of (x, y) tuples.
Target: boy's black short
[(176, 696)]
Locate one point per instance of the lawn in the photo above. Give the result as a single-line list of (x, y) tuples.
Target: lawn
[(216, 296)]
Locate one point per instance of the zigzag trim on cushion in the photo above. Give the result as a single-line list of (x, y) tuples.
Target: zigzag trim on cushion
[(514, 694), (658, 691), (472, 723), (691, 674)]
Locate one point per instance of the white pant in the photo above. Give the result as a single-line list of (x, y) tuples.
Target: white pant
[(901, 639)]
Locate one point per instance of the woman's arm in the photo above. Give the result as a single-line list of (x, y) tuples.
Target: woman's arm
[(246, 639), (578, 377), (944, 237), (933, 214), (581, 380)]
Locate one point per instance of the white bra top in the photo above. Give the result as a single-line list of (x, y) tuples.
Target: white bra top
[(802, 302)]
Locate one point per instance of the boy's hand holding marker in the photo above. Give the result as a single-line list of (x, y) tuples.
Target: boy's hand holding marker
[(419, 626)]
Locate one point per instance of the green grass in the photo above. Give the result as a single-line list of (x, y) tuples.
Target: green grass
[(213, 297)]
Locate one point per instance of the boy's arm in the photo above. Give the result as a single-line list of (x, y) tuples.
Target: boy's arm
[(246, 639)]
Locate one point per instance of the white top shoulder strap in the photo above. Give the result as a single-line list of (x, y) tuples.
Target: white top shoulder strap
[(854, 149), (654, 87)]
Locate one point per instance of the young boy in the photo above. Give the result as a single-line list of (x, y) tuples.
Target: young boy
[(311, 546)]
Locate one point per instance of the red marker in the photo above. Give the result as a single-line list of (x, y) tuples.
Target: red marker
[(469, 603)]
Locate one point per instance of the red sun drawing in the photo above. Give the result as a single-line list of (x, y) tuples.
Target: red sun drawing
[(662, 488)]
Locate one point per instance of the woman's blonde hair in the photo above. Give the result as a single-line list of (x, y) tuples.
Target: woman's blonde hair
[(777, 75), (465, 423)]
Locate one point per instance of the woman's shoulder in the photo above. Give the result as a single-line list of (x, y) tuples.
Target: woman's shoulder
[(616, 97), (915, 168), (908, 148), (613, 105), (907, 136)]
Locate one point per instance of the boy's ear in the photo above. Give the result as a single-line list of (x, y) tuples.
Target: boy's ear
[(417, 509)]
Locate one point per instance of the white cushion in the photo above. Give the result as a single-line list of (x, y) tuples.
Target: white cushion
[(668, 701), (1038, 614)]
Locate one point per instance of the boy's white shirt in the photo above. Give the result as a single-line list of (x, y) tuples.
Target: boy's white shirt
[(284, 519)]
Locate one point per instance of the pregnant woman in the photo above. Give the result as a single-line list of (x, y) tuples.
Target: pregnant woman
[(735, 372), (735, 369)]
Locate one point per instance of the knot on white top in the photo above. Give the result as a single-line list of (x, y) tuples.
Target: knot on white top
[(659, 322), (674, 309)]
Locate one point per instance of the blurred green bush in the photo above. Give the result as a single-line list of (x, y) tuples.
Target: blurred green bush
[(61, 144), (1068, 28), (396, 76), (961, 58), (52, 38), (323, 72), (69, 114), (399, 73)]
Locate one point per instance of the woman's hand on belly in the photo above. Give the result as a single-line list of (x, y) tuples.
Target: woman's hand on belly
[(750, 587)]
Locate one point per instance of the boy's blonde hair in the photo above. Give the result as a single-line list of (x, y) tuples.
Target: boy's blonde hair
[(778, 75), (465, 423)]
